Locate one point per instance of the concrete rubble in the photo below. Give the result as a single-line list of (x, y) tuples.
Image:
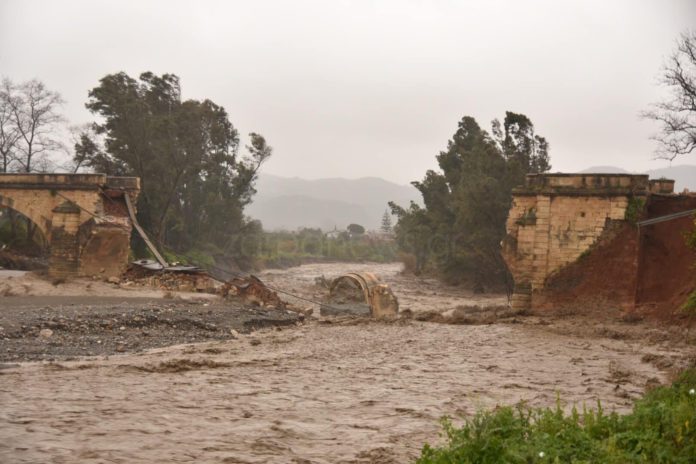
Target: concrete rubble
[(194, 280)]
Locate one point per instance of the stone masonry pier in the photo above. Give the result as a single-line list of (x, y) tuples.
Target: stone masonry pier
[(556, 218), (82, 216)]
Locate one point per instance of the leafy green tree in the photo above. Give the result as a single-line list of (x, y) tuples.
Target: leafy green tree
[(524, 151), (195, 183), (413, 232), (355, 229), (459, 230)]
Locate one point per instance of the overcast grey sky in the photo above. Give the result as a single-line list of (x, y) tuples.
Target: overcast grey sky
[(372, 88)]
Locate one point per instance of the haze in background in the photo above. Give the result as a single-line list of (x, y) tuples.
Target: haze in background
[(293, 203), (372, 88)]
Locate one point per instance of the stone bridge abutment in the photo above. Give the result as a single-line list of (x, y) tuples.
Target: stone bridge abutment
[(556, 225), (82, 216)]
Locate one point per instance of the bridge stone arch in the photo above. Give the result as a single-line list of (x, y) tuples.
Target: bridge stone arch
[(82, 216), (24, 207)]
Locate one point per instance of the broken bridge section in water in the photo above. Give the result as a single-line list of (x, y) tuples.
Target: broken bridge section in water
[(84, 218)]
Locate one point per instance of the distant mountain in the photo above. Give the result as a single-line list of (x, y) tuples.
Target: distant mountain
[(684, 175), (291, 203)]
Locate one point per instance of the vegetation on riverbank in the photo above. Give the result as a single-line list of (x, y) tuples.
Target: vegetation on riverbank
[(283, 249), (287, 249), (660, 429)]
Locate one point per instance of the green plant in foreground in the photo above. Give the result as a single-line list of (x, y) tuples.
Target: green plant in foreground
[(660, 429)]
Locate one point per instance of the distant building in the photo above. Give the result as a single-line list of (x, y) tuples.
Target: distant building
[(333, 233)]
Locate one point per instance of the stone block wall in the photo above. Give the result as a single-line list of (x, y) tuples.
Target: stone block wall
[(556, 218), (65, 252)]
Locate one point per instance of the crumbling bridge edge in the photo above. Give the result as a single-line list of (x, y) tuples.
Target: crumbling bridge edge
[(83, 217), (556, 219)]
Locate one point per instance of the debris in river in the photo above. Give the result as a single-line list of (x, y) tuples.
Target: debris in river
[(253, 291), (361, 293), (174, 278)]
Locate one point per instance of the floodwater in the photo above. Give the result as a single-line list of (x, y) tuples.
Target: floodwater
[(414, 293), (5, 273), (330, 391)]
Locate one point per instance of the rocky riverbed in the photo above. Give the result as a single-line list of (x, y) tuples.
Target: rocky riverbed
[(62, 328)]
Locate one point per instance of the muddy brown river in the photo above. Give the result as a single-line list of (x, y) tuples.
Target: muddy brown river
[(328, 391)]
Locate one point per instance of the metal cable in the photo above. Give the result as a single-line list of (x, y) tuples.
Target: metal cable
[(667, 217), (92, 213), (278, 290)]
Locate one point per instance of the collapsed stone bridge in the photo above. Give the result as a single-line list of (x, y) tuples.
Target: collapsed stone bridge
[(84, 218), (574, 241)]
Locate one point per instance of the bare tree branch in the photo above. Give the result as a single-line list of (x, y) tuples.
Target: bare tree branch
[(677, 115), (33, 111), (9, 135)]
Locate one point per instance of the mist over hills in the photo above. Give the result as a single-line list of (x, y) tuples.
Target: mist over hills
[(684, 175), (291, 203)]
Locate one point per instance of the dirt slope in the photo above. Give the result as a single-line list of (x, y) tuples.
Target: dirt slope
[(651, 268)]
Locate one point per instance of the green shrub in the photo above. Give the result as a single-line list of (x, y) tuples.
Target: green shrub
[(313, 244), (634, 210), (661, 429), (689, 305), (528, 218)]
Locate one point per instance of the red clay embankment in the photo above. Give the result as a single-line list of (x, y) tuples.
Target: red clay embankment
[(650, 268)]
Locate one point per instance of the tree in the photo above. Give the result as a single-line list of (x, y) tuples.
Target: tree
[(34, 119), (29, 131), (355, 229), (521, 147), (9, 135), (195, 182), (413, 233), (677, 114), (386, 222), (89, 152), (459, 230)]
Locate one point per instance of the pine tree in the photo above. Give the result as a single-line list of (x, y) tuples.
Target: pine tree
[(386, 222)]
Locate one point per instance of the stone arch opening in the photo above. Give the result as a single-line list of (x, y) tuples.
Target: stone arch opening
[(28, 210), (22, 233)]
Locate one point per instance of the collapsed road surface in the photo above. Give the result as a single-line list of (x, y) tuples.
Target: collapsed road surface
[(328, 391)]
